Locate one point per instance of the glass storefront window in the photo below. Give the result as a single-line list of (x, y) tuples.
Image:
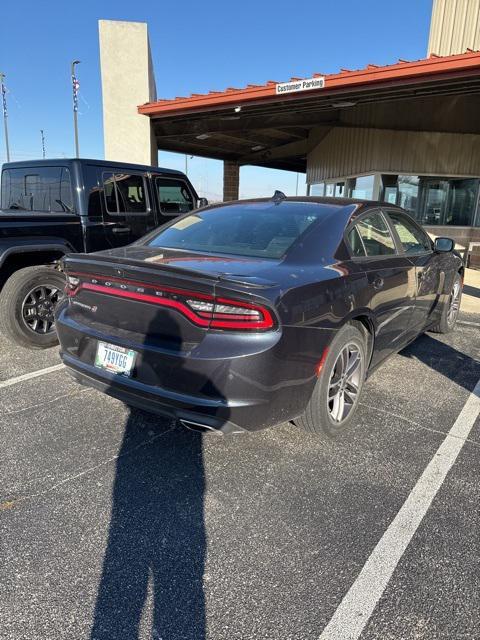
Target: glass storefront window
[(434, 201), (362, 187), (408, 187), (317, 189), (330, 190), (462, 201)]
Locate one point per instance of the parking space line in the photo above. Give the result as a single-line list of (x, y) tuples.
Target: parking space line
[(356, 608), (29, 376)]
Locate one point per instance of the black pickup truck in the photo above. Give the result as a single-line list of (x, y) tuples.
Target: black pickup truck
[(53, 207)]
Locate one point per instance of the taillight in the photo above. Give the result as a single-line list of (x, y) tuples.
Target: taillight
[(202, 309), (232, 314)]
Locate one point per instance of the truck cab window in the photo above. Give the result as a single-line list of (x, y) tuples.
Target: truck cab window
[(174, 196), (40, 189), (125, 193)]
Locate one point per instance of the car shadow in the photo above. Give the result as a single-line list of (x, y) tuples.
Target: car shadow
[(453, 364), (156, 545)]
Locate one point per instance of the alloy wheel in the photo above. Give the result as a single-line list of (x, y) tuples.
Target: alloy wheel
[(38, 308), (454, 305), (344, 383)]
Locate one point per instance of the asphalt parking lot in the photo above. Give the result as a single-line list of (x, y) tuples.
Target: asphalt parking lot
[(117, 525)]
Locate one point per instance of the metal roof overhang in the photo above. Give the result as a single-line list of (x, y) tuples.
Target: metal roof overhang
[(278, 131)]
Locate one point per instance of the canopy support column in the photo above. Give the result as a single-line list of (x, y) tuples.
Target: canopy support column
[(231, 180)]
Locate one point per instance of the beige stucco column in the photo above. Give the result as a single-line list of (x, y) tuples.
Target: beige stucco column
[(127, 81)]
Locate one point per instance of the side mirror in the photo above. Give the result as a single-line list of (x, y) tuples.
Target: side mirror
[(202, 202), (444, 245)]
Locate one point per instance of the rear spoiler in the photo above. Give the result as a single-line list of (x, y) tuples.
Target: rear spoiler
[(89, 262)]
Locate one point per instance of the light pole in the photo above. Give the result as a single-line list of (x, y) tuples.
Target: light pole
[(75, 88), (43, 144), (186, 164), (4, 100)]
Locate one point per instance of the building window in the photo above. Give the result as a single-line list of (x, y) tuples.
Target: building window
[(328, 189), (361, 187), (434, 201), (462, 202), (317, 189)]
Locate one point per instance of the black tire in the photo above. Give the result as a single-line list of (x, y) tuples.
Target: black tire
[(318, 416), (451, 307), (16, 306)]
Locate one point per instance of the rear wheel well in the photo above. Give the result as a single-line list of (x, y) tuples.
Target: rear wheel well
[(17, 261), (365, 325)]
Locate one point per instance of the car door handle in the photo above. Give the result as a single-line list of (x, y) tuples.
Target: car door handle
[(378, 283), (121, 229)]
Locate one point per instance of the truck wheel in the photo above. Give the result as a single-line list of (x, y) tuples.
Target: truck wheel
[(27, 304), (334, 400)]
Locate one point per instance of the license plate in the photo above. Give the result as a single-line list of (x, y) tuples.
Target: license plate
[(115, 359)]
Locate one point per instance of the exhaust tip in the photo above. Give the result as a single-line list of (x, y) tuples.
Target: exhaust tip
[(200, 428)]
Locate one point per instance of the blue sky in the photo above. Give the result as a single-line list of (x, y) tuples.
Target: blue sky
[(196, 46)]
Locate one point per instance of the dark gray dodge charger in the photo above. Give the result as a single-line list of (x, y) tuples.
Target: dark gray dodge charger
[(244, 315)]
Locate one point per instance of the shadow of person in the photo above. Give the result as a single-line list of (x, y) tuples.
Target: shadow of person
[(453, 364), (156, 543)]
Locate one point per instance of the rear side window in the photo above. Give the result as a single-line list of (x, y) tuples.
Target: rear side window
[(375, 235), (173, 196), (356, 243), (264, 231), (40, 189), (125, 193), (412, 239)]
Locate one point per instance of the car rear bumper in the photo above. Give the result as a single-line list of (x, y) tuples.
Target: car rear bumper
[(228, 383), (160, 402)]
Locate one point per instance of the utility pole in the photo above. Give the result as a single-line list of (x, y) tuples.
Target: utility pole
[(186, 164), (4, 99), (43, 144), (75, 88), (296, 188)]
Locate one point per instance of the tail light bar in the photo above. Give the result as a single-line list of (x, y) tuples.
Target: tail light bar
[(202, 309)]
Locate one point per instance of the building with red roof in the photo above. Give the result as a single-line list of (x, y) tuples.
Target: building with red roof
[(406, 133)]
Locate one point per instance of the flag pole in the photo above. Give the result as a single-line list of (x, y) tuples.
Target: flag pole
[(4, 100)]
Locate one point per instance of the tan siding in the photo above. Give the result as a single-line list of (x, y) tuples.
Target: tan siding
[(455, 27), (354, 151)]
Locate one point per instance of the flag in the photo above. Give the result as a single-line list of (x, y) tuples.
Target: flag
[(4, 99), (76, 87)]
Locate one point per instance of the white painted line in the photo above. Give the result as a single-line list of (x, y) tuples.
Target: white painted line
[(29, 376), (356, 608), (467, 323)]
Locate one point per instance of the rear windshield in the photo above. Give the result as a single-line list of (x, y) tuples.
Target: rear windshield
[(262, 230)]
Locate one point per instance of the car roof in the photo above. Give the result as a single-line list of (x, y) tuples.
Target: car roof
[(335, 202), (52, 162), (350, 208)]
